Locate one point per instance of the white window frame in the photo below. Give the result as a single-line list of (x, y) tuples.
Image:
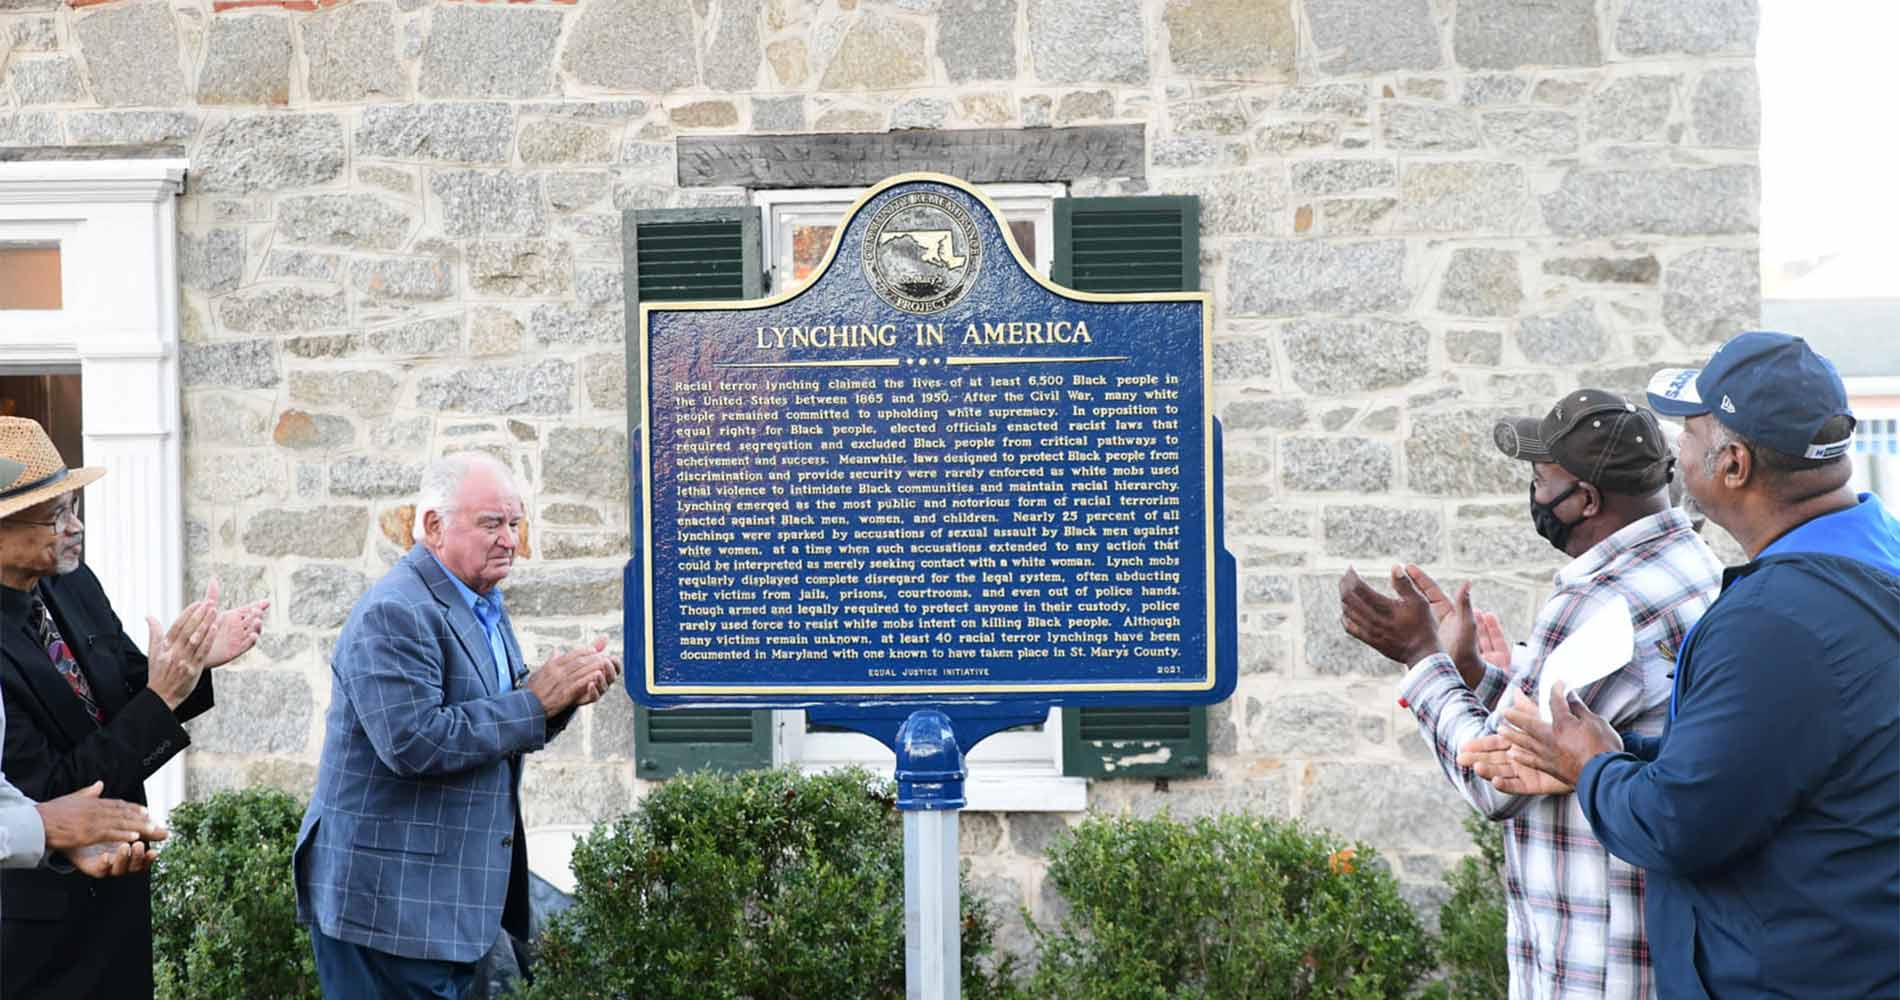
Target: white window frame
[(1034, 203), (1008, 772), (1875, 398), (115, 223)]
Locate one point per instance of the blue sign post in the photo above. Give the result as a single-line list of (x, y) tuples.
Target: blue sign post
[(927, 496)]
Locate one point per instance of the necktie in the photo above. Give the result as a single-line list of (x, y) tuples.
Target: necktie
[(62, 657), (488, 612)]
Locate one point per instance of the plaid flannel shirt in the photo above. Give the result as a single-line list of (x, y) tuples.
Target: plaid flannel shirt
[(1576, 911)]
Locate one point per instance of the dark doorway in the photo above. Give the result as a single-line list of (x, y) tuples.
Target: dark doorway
[(51, 397)]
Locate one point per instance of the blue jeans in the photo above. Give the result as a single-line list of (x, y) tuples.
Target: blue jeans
[(356, 972)]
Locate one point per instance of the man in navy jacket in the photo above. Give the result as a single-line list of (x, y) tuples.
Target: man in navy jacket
[(1768, 812)]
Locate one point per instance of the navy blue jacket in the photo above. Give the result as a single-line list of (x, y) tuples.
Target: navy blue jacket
[(1767, 814)]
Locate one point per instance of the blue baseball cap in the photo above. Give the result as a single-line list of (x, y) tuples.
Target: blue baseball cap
[(1770, 388)]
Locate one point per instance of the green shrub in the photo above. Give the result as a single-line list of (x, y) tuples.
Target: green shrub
[(764, 885), (224, 907), (1231, 907), (1472, 924)]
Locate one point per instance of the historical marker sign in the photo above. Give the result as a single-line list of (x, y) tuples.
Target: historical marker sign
[(928, 475)]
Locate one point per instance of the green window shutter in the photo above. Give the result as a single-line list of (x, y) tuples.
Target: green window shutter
[(1118, 742), (683, 254), (1148, 244), (691, 739), (675, 255)]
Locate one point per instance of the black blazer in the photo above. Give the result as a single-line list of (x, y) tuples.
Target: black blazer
[(68, 935)]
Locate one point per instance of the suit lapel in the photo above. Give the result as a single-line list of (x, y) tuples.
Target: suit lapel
[(23, 649), (462, 621)]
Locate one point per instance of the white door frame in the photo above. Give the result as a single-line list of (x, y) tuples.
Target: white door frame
[(115, 222)]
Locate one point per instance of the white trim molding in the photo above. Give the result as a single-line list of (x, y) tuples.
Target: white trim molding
[(115, 222), (91, 182)]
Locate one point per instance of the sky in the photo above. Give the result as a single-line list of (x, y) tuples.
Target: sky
[(1831, 136)]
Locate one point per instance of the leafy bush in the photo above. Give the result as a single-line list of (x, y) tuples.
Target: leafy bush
[(1232, 907), (1472, 924), (772, 886), (224, 908), (764, 885)]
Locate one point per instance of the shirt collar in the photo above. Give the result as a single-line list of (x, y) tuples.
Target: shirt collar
[(1864, 531), (486, 607), (1626, 538), (1830, 529)]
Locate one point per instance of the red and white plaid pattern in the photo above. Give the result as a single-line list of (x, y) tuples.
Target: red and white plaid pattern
[(1576, 912)]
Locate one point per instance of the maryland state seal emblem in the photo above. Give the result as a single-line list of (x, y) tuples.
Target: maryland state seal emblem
[(922, 252)]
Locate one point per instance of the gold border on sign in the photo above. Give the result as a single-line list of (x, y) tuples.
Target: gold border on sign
[(824, 267)]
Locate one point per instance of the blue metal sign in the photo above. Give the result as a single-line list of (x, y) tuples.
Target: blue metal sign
[(928, 476)]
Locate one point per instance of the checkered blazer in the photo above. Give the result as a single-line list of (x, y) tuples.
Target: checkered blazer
[(408, 841)]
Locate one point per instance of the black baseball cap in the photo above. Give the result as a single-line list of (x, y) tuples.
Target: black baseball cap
[(1770, 388), (1597, 436)]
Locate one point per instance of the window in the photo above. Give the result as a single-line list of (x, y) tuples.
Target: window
[(29, 277), (1876, 451), (1094, 244), (799, 226)]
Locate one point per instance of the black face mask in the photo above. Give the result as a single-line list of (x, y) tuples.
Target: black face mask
[(1554, 529)]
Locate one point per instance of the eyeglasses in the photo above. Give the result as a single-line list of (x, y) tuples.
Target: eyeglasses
[(60, 516)]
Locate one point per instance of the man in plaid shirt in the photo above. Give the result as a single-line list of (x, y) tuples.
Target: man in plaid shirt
[(1600, 466)]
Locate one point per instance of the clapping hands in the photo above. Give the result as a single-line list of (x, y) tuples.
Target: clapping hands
[(574, 677), (101, 837), (1534, 757), (109, 860), (236, 631), (176, 658)]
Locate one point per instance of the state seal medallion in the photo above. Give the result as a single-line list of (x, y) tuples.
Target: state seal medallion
[(922, 252)]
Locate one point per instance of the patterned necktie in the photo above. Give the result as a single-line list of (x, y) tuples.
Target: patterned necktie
[(62, 657)]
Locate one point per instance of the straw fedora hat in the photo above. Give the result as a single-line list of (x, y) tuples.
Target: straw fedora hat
[(31, 470)]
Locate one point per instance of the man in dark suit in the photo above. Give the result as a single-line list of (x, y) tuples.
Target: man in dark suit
[(412, 857), (84, 705)]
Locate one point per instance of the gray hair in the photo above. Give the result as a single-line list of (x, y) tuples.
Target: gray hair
[(1720, 437), (444, 478)]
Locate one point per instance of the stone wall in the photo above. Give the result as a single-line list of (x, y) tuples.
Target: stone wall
[(402, 238)]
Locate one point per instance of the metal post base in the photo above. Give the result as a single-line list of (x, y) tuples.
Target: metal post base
[(932, 943)]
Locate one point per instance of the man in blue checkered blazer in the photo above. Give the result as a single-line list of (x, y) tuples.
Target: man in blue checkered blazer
[(412, 855)]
